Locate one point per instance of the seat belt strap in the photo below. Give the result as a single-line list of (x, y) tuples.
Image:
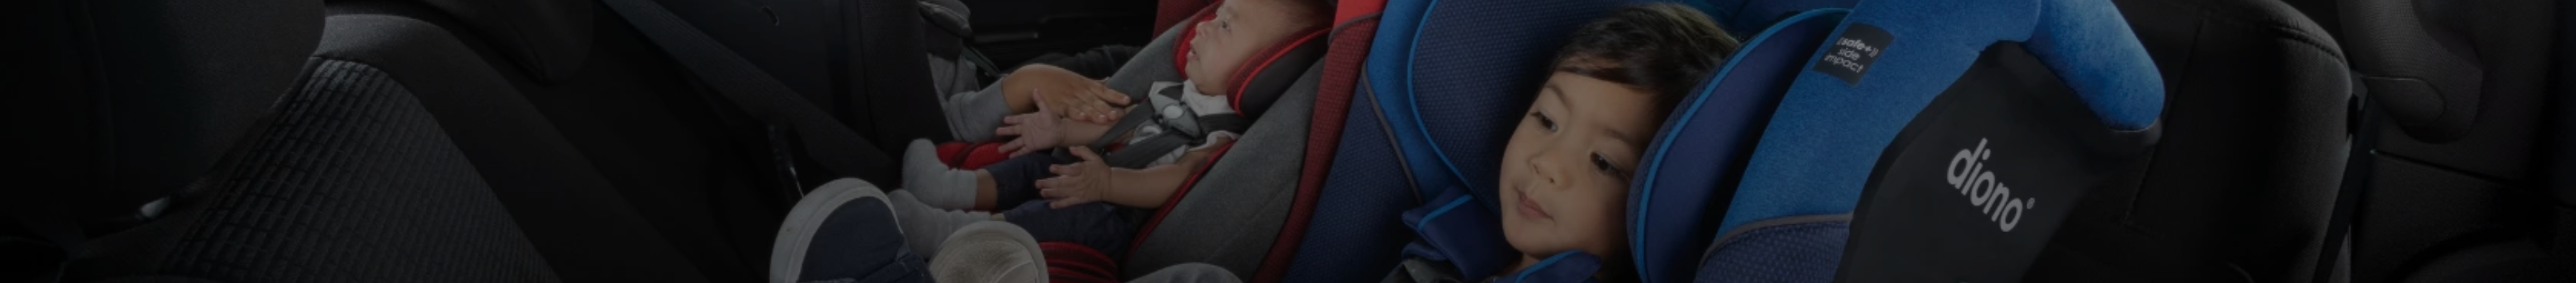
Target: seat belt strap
[(826, 140)]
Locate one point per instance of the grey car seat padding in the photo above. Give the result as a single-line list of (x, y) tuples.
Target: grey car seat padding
[(1231, 217)]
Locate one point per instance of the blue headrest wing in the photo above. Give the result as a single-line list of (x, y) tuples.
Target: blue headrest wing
[(1688, 174), (2097, 55), (1752, 16), (1449, 82), (1819, 150)]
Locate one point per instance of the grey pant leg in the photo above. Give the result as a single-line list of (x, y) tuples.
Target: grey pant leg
[(1189, 272), (972, 116)]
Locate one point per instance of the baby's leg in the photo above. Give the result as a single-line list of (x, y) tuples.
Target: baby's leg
[(1014, 181), (1094, 225)]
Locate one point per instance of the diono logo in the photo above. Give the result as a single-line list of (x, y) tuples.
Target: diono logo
[(1969, 175)]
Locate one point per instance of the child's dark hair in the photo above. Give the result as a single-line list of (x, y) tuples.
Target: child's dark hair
[(1661, 48)]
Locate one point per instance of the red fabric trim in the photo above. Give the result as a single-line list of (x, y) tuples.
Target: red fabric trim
[(1075, 260), (1243, 74), (1346, 10), (1063, 275), (1074, 268), (1342, 64), (1147, 231), (971, 156), (952, 153)]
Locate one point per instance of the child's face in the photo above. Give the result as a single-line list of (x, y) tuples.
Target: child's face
[(1565, 174), (1222, 44)]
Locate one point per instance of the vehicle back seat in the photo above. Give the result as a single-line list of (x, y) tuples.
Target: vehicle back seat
[(236, 156), (2256, 133), (613, 158), (2464, 141), (618, 157)]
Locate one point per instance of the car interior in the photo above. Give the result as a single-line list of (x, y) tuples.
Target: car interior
[(2308, 141)]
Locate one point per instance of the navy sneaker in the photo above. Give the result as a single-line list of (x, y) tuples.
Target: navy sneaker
[(844, 232)]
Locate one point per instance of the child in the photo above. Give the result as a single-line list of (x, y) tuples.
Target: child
[(1192, 118), (1565, 172)]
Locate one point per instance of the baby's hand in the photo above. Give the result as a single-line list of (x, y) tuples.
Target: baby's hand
[(1077, 183), (1036, 131)]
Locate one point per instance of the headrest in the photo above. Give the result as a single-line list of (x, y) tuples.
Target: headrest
[(1259, 83), (124, 102), (549, 38), (1749, 16), (1450, 76), (1689, 172), (2048, 96), (1908, 52)]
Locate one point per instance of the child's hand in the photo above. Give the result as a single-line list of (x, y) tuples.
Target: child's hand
[(1077, 183), (1036, 131)]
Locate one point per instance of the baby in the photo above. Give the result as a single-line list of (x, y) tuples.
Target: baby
[(1190, 120), (1565, 173)]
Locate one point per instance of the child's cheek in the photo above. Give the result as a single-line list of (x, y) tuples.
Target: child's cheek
[(1606, 211)]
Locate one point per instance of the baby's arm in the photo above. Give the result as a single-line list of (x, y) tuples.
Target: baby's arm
[(1144, 188), (1063, 131)]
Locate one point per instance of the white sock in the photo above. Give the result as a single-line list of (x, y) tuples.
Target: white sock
[(925, 227), (933, 181)]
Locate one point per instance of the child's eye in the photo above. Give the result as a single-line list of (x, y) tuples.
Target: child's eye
[(1603, 164), (1544, 122)]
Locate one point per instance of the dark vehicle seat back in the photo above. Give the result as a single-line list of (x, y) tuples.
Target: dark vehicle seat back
[(195, 147), (2242, 184), (2460, 139)]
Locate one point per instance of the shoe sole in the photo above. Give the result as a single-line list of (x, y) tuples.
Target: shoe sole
[(787, 256)]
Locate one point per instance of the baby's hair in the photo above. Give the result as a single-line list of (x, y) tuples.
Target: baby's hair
[(1661, 48)]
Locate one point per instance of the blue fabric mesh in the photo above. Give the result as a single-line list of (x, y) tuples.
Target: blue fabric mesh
[(1355, 233), (1750, 16), (1800, 252), (1684, 179)]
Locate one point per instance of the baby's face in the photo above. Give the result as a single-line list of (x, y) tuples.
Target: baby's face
[(1224, 43), (1565, 174)]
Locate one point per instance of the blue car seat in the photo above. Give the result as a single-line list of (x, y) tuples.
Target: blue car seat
[(1909, 102), (1423, 117), (1689, 171), (1745, 17)]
